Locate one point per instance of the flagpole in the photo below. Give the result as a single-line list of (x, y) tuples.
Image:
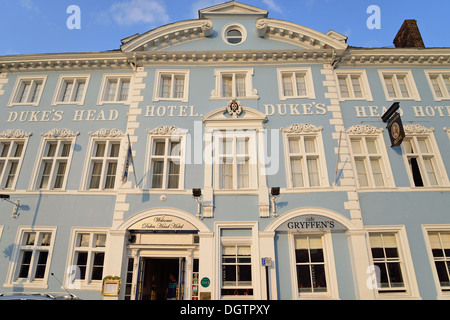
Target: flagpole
[(132, 161)]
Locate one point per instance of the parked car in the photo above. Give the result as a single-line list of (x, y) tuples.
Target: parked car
[(37, 296)]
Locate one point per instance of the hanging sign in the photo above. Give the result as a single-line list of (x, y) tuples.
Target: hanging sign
[(311, 222), (394, 124), (163, 223), (396, 131)]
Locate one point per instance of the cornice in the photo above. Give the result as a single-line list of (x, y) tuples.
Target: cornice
[(65, 61), (169, 35), (396, 56), (293, 33)]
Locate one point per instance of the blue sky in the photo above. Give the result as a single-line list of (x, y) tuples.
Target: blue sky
[(40, 26)]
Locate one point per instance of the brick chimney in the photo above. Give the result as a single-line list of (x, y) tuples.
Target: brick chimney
[(409, 36)]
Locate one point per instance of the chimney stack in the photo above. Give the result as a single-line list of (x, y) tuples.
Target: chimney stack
[(409, 36)]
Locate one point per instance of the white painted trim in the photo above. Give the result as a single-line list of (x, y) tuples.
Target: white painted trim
[(16, 88), (253, 241), (38, 166), (164, 211), (408, 273), (10, 281), (322, 166), (251, 93), (70, 261), (414, 93), (232, 26), (173, 72), (311, 211), (310, 92), (330, 267), (442, 86), (59, 88), (104, 83), (365, 86), (426, 228)]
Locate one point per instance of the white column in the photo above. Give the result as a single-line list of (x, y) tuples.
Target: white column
[(206, 265), (267, 250), (115, 255), (360, 260)]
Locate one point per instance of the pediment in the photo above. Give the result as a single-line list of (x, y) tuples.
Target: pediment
[(300, 35), (232, 8), (248, 118)]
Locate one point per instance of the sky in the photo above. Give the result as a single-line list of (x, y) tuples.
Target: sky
[(52, 26)]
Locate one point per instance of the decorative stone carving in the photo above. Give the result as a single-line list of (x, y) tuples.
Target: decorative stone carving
[(364, 129), (167, 130), (60, 133), (18, 133), (302, 128), (234, 108), (417, 129), (107, 133)]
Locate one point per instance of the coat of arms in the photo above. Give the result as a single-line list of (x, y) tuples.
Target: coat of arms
[(234, 108)]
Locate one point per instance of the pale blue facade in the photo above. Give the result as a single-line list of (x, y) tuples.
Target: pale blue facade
[(99, 231)]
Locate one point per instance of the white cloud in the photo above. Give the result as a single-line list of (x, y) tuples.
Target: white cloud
[(272, 6), (152, 12), (29, 5)]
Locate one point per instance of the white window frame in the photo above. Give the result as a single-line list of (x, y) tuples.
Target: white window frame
[(366, 157), (319, 154), (31, 282), (329, 262), (73, 278), (433, 155), (366, 93), (440, 83), (19, 83), (105, 161), (105, 84), (9, 159), (234, 26), (235, 136), (253, 242), (166, 157), (61, 87), (407, 267), (292, 72), (409, 82), (173, 74), (442, 293), (250, 92), (55, 160)]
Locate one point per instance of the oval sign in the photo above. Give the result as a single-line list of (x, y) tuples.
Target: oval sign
[(205, 282)]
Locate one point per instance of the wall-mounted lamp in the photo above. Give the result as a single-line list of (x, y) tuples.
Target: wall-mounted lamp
[(15, 212), (275, 192), (197, 194)]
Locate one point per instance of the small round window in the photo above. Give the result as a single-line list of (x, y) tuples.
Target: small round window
[(234, 34)]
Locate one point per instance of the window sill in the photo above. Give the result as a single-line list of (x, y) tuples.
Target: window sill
[(238, 98)]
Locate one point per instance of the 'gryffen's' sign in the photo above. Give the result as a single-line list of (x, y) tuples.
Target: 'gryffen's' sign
[(163, 223), (310, 222)]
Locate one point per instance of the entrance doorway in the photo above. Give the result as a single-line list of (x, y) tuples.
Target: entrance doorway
[(157, 276)]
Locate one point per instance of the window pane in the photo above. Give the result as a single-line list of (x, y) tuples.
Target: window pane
[(403, 86), (240, 86), (297, 175), (124, 88), (160, 147), (174, 174), (313, 172), (301, 85), (83, 240), (310, 145), (25, 265), (111, 175), (179, 87), (357, 91), (96, 175), (41, 265), (101, 241), (294, 145), (100, 150), (343, 86), (362, 174), (287, 85), (377, 173), (389, 86), (356, 146), (226, 170), (227, 85), (166, 85), (97, 269), (115, 147), (243, 174), (60, 175), (157, 176), (303, 278)]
